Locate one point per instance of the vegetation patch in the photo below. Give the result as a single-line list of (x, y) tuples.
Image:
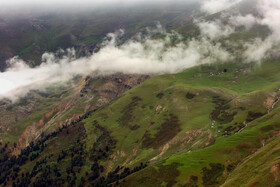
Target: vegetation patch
[(254, 115), (220, 112), (116, 175), (270, 127), (128, 111), (192, 181), (164, 174), (169, 129), (160, 95), (190, 95), (42, 164), (230, 167), (104, 144), (210, 176), (134, 127), (233, 129)]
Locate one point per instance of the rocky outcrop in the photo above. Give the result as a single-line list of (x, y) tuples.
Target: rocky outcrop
[(33, 131)]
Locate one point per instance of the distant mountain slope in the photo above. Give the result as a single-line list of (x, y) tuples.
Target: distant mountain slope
[(29, 37)]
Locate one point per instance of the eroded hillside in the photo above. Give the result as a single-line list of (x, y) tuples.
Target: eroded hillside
[(33, 116)]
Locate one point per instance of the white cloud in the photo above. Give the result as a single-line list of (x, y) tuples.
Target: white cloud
[(270, 11), (214, 6), (214, 29), (144, 57), (247, 21), (257, 50)]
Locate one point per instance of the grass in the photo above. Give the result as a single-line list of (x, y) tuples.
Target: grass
[(252, 87), (184, 125), (192, 162), (169, 122), (261, 163)]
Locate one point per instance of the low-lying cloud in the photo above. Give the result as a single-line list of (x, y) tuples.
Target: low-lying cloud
[(134, 57), (214, 29), (214, 6), (248, 21), (143, 55), (268, 15), (259, 48)]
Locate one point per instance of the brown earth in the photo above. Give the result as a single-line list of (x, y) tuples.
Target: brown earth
[(275, 171), (110, 88)]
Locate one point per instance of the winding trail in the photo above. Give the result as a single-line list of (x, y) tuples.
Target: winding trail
[(246, 124)]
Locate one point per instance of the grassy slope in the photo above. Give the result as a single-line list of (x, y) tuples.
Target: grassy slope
[(167, 121), (260, 168), (246, 88)]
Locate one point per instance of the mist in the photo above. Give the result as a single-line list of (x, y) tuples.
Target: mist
[(17, 8), (214, 6), (256, 50), (144, 55), (270, 12)]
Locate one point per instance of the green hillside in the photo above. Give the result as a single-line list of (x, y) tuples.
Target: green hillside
[(204, 126), (215, 124), (191, 121)]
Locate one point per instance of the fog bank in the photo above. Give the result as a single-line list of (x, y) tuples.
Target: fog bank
[(144, 55)]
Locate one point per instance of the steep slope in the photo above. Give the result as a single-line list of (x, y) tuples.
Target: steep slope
[(41, 113), (262, 167), (250, 128), (199, 127)]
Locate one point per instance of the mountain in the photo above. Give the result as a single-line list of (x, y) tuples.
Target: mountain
[(212, 124), (30, 36), (200, 127)]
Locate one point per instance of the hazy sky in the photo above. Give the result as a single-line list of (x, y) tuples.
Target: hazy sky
[(63, 3), (13, 7), (20, 6), (84, 1)]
